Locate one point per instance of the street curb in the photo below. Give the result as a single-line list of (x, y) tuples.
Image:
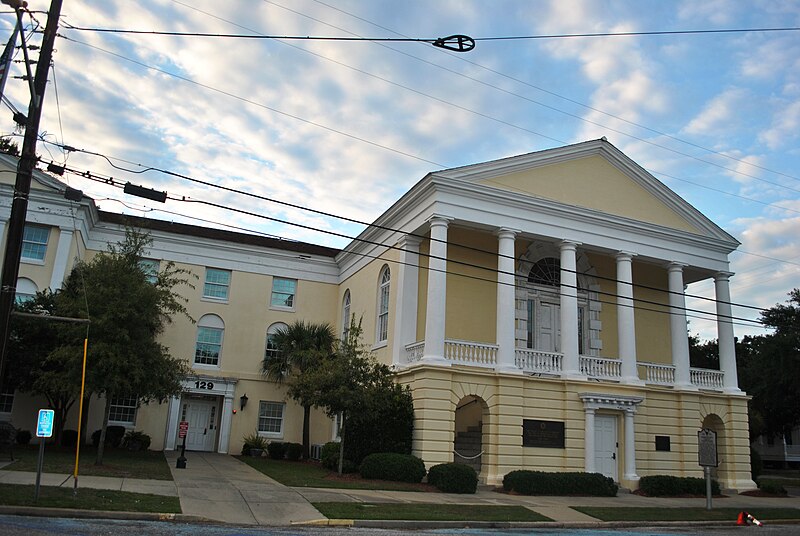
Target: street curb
[(38, 511), (433, 525)]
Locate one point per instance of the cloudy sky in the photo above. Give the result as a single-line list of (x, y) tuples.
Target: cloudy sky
[(346, 127)]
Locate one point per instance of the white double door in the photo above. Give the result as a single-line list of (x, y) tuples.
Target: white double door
[(202, 417)]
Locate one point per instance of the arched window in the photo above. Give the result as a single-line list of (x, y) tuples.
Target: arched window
[(271, 348), (210, 331), (345, 314), (26, 290), (382, 333), (546, 272)]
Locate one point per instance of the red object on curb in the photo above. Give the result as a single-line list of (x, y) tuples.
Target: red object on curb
[(743, 518), (754, 520)]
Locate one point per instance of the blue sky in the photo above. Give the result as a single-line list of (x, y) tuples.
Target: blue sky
[(347, 127)]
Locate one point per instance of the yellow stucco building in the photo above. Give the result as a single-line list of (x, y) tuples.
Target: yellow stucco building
[(534, 305)]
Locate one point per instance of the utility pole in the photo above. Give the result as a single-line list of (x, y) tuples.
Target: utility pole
[(22, 187)]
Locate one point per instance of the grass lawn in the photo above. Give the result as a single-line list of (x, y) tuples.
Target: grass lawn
[(313, 475), (116, 462), (89, 499), (684, 514), (427, 512)]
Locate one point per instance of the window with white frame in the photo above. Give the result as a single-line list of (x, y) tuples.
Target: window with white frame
[(283, 292), (34, 243), (122, 409), (150, 268), (210, 331), (6, 399), (346, 314), (26, 290), (217, 284), (270, 417), (383, 306), (272, 348)]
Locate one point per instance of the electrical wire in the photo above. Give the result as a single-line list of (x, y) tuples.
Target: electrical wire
[(344, 218), (113, 182)]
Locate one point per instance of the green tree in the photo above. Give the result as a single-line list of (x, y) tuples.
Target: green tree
[(8, 146), (127, 313), (40, 362), (301, 347), (351, 383), (770, 371)]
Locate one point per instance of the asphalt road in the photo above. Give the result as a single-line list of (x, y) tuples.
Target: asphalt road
[(36, 526)]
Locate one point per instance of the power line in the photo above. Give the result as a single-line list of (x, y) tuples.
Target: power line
[(111, 181)]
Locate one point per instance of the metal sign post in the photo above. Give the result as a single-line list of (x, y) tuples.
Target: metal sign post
[(183, 428), (44, 429), (707, 457)]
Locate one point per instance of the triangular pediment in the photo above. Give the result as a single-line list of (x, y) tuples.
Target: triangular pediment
[(592, 175)]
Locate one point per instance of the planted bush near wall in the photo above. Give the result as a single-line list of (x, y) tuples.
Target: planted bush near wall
[(23, 437), (453, 478), (541, 483), (114, 435), (393, 466), (329, 456), (69, 438), (276, 450), (671, 486), (294, 451)]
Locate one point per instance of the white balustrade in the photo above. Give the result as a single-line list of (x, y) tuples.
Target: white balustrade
[(600, 367), (415, 351), (470, 353), (706, 378), (538, 362), (658, 373)]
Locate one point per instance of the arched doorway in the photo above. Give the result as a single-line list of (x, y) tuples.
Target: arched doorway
[(469, 420), (713, 422)]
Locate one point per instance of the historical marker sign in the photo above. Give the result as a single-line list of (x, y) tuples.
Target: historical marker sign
[(707, 448), (546, 434)]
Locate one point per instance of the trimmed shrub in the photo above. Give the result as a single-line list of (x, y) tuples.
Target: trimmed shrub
[(453, 478), (671, 486), (136, 441), (329, 455), (69, 438), (772, 487), (393, 466), (114, 435), (276, 450), (541, 483), (756, 464), (23, 437), (294, 451)]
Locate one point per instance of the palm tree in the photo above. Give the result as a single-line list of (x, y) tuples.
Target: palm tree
[(300, 346)]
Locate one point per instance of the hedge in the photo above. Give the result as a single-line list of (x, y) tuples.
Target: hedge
[(276, 450), (114, 435), (671, 486), (541, 483), (453, 478), (294, 451), (393, 466), (329, 456)]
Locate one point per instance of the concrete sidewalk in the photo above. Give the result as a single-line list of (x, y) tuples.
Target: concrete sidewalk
[(219, 487)]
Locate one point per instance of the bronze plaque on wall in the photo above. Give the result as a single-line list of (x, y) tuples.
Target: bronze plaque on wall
[(548, 434)]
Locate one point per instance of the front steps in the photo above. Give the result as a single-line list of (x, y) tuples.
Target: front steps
[(468, 445)]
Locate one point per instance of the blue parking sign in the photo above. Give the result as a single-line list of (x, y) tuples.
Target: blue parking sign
[(44, 425)]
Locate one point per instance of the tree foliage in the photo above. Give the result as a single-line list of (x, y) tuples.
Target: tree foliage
[(769, 370), (301, 347), (127, 313)]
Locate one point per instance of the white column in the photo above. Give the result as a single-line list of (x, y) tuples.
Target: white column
[(630, 446), (506, 296), (569, 309), (588, 441), (225, 423), (62, 258), (437, 293), (3, 234), (173, 414), (727, 343), (626, 327), (679, 335), (405, 317)]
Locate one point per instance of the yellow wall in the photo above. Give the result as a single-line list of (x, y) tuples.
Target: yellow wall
[(594, 183), (653, 342)]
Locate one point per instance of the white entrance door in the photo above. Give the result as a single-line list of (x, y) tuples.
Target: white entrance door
[(201, 415), (605, 445), (544, 325)]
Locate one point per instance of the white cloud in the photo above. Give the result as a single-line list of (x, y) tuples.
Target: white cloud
[(719, 114)]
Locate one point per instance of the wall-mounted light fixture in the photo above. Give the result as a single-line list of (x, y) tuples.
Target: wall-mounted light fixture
[(243, 401)]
